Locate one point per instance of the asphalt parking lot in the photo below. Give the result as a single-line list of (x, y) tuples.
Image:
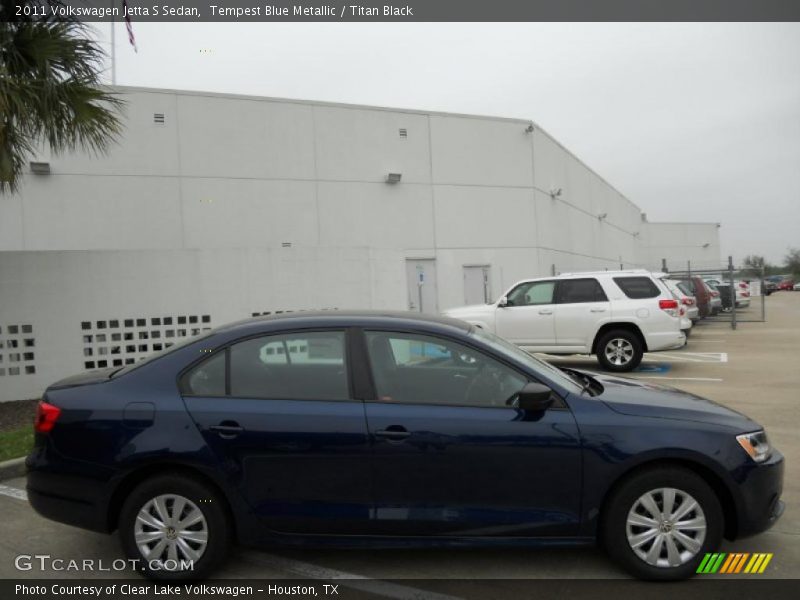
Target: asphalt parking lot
[(754, 370)]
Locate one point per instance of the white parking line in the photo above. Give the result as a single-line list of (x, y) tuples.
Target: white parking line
[(700, 357), (13, 492), (351, 580)]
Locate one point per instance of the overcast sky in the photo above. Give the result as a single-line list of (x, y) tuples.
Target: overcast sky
[(693, 122)]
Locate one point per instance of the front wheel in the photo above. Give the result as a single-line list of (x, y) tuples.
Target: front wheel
[(660, 523), (619, 350), (174, 528)]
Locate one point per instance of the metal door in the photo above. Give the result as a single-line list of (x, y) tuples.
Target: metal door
[(421, 277), (476, 284)]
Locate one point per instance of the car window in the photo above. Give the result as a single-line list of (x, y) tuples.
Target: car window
[(207, 378), (572, 291), (637, 288), (685, 288), (296, 366), (419, 369), (532, 293)]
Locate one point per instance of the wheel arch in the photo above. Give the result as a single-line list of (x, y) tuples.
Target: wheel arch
[(718, 486), (143, 472), (624, 325)]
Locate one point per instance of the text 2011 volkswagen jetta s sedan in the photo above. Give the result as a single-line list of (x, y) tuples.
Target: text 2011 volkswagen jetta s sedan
[(392, 429)]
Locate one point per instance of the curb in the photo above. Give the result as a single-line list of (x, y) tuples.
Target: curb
[(12, 468)]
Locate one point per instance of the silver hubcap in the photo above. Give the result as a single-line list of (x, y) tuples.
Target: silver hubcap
[(666, 527), (171, 527), (619, 351)]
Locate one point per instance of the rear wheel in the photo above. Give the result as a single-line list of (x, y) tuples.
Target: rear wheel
[(175, 528), (619, 350), (661, 523)]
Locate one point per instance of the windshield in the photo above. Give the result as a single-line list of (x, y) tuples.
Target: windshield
[(509, 349), (151, 357)]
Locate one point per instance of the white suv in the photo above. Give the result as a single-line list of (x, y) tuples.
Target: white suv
[(618, 315)]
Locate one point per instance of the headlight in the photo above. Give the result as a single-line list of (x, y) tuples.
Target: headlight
[(755, 444)]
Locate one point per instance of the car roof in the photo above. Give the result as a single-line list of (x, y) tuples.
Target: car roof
[(604, 272), (347, 318)]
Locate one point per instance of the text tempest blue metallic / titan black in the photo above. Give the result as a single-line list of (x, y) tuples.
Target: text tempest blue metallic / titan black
[(392, 429)]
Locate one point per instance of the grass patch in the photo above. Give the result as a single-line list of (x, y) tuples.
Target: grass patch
[(16, 443)]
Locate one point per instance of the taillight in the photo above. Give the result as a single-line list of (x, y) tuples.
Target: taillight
[(743, 285), (667, 304), (745, 294), (683, 311), (714, 294), (46, 416), (688, 301)]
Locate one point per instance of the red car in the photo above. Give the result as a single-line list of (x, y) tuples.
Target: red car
[(786, 284)]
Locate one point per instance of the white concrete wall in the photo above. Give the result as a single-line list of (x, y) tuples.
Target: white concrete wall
[(236, 205)]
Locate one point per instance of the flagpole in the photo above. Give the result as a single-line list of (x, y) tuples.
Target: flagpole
[(113, 50)]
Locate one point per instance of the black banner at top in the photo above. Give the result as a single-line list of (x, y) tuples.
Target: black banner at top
[(244, 11)]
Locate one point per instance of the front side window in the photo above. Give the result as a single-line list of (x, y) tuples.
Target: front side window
[(571, 291), (296, 366), (637, 288), (420, 369), (532, 293)]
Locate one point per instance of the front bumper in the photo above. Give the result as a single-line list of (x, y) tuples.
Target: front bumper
[(760, 489)]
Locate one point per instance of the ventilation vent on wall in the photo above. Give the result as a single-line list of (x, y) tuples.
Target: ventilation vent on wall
[(16, 350), (158, 118), (404, 133), (120, 342)]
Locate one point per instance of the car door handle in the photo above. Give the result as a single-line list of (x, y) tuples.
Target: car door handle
[(545, 312), (395, 433), (597, 309), (227, 429)]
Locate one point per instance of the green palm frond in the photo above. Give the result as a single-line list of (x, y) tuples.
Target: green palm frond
[(50, 91)]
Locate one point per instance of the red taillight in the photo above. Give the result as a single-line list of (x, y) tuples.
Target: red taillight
[(745, 294), (743, 285), (714, 294), (683, 311), (46, 416), (668, 304), (688, 301)]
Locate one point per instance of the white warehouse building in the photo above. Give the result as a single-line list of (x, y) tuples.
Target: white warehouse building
[(213, 208)]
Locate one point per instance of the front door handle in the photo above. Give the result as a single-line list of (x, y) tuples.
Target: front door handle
[(545, 312), (597, 309), (395, 433), (227, 429)]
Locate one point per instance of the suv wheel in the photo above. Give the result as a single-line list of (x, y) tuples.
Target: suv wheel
[(174, 528), (619, 350), (661, 523)]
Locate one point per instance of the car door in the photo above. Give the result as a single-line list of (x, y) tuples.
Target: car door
[(278, 414), (581, 308), (450, 457), (528, 317)]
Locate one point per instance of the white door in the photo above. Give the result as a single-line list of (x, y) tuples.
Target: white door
[(528, 319), (421, 277), (582, 307), (476, 285)]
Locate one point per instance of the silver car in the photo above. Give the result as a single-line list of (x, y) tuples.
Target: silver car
[(685, 298)]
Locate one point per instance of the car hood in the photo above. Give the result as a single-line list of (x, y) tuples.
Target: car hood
[(86, 378), (634, 397)]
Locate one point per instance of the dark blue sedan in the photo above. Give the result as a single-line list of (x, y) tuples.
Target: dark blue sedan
[(380, 430)]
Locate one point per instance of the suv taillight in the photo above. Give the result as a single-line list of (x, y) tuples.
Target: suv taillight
[(669, 306), (688, 301), (714, 293), (46, 416)]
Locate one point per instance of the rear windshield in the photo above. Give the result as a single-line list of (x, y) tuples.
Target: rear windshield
[(637, 287)]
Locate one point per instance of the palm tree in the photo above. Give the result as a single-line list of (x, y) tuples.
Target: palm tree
[(50, 90)]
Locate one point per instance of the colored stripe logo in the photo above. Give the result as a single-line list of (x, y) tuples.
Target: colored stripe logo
[(735, 562)]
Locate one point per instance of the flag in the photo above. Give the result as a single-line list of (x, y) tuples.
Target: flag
[(128, 26)]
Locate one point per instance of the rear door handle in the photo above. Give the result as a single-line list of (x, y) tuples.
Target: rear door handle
[(227, 429), (394, 433), (597, 309), (545, 312)]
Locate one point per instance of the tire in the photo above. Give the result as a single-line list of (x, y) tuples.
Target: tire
[(627, 342), (626, 502), (201, 503)]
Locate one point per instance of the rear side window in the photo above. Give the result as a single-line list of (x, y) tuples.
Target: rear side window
[(296, 366), (207, 378), (637, 287), (572, 291)]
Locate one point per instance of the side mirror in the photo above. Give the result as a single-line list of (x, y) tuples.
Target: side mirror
[(535, 397), (503, 302)]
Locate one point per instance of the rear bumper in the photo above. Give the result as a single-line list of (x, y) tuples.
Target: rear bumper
[(671, 340), (66, 498)]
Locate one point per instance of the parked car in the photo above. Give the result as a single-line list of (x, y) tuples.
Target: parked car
[(770, 287), (742, 289), (796, 287), (685, 298), (375, 430), (617, 315), (708, 300), (786, 284)]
